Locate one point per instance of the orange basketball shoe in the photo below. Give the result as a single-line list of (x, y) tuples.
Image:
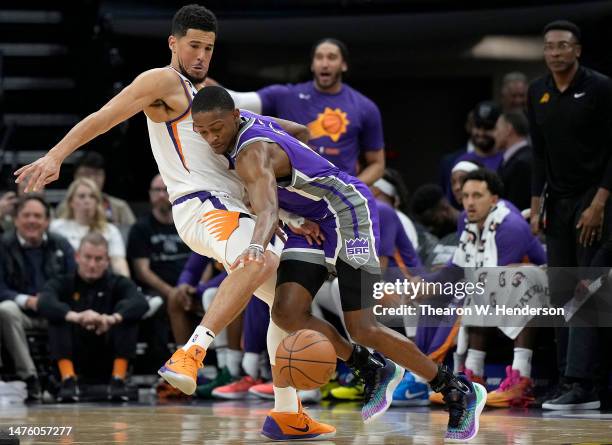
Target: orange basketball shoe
[(181, 371), (295, 426), (513, 391), (438, 397)]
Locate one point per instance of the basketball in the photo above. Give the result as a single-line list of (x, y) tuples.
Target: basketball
[(305, 359)]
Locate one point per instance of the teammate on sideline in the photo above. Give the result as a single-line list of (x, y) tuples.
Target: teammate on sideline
[(279, 170), (206, 194)]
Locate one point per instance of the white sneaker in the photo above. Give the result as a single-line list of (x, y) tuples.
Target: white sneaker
[(310, 395)]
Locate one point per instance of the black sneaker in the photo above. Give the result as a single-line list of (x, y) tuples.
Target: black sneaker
[(33, 387), (117, 390), (69, 391), (552, 393), (576, 397), (379, 384)]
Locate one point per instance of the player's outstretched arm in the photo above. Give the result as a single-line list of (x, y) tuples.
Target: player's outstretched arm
[(146, 89), (298, 131), (254, 166)]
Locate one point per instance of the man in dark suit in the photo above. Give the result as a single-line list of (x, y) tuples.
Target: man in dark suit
[(511, 132)]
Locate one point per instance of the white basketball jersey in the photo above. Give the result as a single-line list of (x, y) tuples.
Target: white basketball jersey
[(185, 161)]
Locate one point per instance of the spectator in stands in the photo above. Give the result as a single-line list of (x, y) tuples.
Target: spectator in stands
[(493, 236), (458, 174), (343, 123), (29, 256), (433, 210), (116, 211), (485, 118), (8, 205), (514, 92), (93, 320), (83, 214), (511, 138), (157, 256)]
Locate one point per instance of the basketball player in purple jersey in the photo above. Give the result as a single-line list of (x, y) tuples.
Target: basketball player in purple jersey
[(280, 171)]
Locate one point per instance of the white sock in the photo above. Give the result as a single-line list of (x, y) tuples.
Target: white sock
[(250, 364), (234, 362), (285, 400), (201, 336), (475, 361), (221, 358), (522, 361), (458, 362)]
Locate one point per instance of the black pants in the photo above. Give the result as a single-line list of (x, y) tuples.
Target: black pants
[(568, 261), (92, 354)]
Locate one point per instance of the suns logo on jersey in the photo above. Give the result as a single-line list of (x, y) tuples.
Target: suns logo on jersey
[(331, 123)]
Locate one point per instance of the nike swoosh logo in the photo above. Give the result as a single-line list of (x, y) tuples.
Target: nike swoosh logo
[(303, 430), (410, 395), (578, 95), (210, 335)]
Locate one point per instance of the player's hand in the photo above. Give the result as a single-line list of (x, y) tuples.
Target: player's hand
[(591, 225), (39, 173), (8, 202), (309, 230), (253, 254)]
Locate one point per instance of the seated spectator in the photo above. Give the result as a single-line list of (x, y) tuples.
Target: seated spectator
[(511, 138), (514, 92), (93, 319), (29, 256), (84, 214), (157, 256), (8, 204), (433, 210), (116, 211)]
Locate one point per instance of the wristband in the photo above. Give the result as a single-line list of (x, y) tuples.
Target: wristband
[(257, 247)]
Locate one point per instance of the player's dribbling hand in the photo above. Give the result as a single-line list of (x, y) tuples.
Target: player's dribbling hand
[(39, 173), (309, 230), (253, 254)]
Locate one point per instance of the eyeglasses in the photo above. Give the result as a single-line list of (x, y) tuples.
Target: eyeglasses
[(561, 46), (158, 190)]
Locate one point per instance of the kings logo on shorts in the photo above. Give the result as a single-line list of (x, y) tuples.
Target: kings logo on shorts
[(358, 250)]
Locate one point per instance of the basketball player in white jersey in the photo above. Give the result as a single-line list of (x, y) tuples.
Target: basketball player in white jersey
[(207, 195)]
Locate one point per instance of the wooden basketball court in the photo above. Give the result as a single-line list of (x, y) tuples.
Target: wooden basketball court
[(239, 422)]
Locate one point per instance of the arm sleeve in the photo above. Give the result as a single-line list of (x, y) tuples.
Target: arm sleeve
[(116, 246), (371, 137), (515, 243), (193, 269), (50, 304), (270, 96), (538, 173), (131, 303), (247, 101), (138, 245), (606, 98)]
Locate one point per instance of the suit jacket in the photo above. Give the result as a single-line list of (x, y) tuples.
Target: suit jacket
[(516, 175)]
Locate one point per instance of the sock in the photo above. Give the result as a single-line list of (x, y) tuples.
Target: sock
[(458, 362), (221, 358), (120, 366), (234, 362), (202, 337), (418, 378), (522, 361), (475, 361), (446, 381), (285, 400), (250, 364), (362, 358), (66, 368)]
